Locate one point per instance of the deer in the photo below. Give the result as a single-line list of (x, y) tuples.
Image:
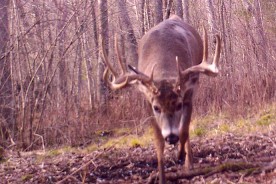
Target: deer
[(171, 55)]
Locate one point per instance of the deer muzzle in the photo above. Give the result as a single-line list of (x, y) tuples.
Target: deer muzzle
[(170, 131)]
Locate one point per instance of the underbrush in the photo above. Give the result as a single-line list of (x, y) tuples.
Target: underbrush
[(217, 124), (207, 126)]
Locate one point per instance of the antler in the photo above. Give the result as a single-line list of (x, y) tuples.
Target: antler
[(204, 67), (122, 80)]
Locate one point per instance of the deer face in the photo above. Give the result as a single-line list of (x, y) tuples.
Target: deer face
[(170, 107)]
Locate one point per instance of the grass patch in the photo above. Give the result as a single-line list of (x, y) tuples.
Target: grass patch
[(90, 148), (217, 124), (40, 157), (120, 138), (225, 127), (26, 177), (266, 119), (135, 142), (198, 131), (121, 131), (208, 125), (127, 141), (54, 152)]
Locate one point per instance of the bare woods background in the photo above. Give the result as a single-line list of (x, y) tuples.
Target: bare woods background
[(51, 88)]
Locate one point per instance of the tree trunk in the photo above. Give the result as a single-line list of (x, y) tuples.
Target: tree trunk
[(179, 8), (260, 31), (211, 16), (103, 39), (186, 11), (141, 17), (168, 9), (258, 28), (158, 11), (149, 22), (131, 43), (5, 75)]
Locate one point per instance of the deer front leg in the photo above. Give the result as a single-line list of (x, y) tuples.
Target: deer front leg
[(160, 144), (185, 147), (185, 151), (189, 156)]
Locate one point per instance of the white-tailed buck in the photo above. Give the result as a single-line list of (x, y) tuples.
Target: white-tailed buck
[(171, 57)]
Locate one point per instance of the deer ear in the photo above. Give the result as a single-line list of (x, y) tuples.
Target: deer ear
[(146, 91), (190, 82), (188, 95)]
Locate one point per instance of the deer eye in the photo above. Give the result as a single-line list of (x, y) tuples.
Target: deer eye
[(178, 107), (156, 109)]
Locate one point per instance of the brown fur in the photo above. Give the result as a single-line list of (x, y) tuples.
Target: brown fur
[(167, 97)]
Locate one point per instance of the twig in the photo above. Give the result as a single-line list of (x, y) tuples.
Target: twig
[(172, 176), (42, 142)]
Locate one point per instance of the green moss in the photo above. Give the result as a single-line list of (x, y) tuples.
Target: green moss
[(240, 166), (116, 142), (121, 131), (242, 123), (54, 152), (91, 148), (249, 171), (200, 126), (135, 142), (224, 128), (40, 158), (68, 149), (26, 177), (199, 131), (266, 119), (129, 140)]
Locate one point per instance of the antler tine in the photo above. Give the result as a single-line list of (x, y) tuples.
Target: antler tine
[(125, 78), (112, 84), (119, 55), (204, 67), (205, 45), (151, 76), (148, 81), (140, 76), (105, 58), (217, 52)]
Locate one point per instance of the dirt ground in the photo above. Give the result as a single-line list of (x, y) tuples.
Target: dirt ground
[(248, 158)]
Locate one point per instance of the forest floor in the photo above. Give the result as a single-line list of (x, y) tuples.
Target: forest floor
[(225, 157)]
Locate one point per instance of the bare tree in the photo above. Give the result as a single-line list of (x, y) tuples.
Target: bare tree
[(255, 11), (179, 8), (103, 37), (168, 9), (5, 75), (260, 30), (211, 16), (186, 11), (158, 11), (141, 16), (131, 43)]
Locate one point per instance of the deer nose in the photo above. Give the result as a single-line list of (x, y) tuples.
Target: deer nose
[(172, 139)]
